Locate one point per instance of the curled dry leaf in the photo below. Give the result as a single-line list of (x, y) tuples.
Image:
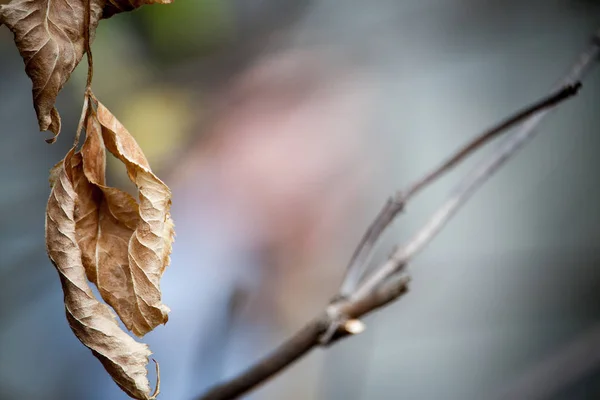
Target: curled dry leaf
[(150, 242), (105, 221), (91, 321), (50, 37)]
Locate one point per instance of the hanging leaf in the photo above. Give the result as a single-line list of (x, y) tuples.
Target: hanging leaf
[(91, 321), (116, 6), (105, 221), (150, 244), (50, 37)]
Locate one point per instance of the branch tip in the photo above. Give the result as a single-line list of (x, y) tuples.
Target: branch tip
[(389, 282)]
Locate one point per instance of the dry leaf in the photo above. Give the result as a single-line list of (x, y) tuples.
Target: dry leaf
[(50, 37), (106, 220), (92, 322), (116, 6), (150, 244)]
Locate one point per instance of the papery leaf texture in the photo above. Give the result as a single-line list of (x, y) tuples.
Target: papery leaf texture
[(50, 37), (150, 245), (90, 320), (105, 219)]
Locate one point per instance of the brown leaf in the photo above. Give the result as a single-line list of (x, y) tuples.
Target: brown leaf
[(50, 37), (106, 219), (91, 321), (150, 244), (116, 6), (103, 239)]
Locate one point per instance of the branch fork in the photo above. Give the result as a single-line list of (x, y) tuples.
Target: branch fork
[(366, 288)]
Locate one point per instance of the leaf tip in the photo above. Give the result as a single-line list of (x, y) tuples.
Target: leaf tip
[(50, 123)]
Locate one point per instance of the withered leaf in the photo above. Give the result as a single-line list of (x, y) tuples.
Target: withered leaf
[(91, 321), (116, 6), (50, 37), (106, 219), (150, 244)]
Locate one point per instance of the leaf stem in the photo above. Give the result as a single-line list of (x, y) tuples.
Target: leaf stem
[(88, 49)]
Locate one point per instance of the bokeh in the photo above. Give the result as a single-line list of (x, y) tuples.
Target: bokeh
[(282, 127)]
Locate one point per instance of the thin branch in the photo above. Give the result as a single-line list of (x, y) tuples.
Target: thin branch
[(305, 340), (478, 176), (284, 355), (397, 203), (388, 282)]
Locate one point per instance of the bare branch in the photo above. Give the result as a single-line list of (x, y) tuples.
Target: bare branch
[(478, 176), (305, 340), (389, 281), (281, 357), (397, 203)]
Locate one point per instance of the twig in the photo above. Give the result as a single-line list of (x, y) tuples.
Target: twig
[(397, 203), (478, 176), (304, 341), (388, 283)]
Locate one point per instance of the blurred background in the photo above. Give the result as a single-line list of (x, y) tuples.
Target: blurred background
[(282, 126)]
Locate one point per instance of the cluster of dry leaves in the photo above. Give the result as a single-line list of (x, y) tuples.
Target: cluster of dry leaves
[(96, 233)]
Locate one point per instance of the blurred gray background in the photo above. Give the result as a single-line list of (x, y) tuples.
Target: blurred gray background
[(282, 127)]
